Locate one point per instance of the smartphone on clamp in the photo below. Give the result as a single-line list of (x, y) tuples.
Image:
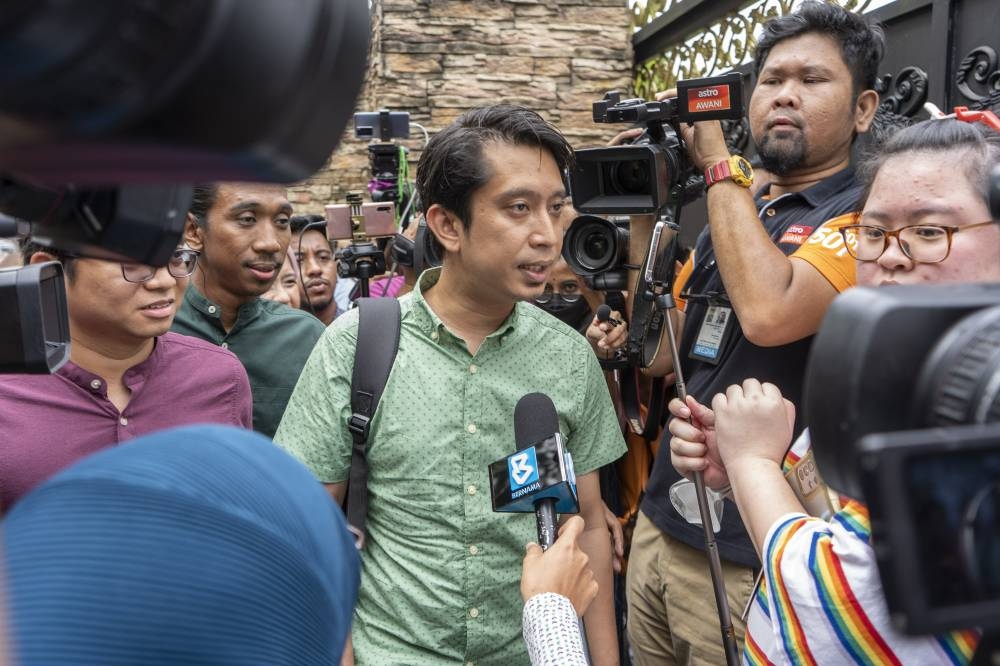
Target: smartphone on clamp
[(380, 220)]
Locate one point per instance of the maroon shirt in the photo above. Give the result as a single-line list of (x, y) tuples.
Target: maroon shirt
[(48, 422)]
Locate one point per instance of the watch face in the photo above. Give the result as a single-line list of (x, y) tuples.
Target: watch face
[(745, 168)]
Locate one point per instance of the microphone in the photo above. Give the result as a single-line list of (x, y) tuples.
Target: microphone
[(604, 315), (539, 477)]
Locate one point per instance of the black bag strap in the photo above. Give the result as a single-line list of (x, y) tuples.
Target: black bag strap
[(378, 342)]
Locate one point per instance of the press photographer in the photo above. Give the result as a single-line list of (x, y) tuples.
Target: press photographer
[(818, 549), (754, 292)]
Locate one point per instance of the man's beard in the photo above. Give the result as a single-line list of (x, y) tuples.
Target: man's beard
[(314, 303), (782, 156)]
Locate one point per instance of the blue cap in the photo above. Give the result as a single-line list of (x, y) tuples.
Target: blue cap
[(198, 545)]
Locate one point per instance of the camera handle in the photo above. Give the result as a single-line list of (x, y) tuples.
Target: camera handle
[(664, 300), (361, 260)]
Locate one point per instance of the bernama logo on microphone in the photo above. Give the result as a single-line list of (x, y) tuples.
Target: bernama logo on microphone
[(522, 470)]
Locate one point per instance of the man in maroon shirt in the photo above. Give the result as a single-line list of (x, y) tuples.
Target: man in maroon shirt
[(127, 374)]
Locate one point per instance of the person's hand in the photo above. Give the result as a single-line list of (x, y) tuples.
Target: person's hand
[(753, 421), (606, 337), (617, 538), (706, 144), (693, 447), (561, 569), (626, 136)]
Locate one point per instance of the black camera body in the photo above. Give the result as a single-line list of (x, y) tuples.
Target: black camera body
[(654, 170), (902, 397), (387, 160)]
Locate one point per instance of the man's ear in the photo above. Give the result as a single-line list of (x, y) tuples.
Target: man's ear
[(194, 233), (864, 110), (447, 228)]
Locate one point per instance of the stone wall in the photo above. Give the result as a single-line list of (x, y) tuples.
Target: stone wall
[(437, 58)]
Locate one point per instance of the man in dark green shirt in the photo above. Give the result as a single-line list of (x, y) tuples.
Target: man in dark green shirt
[(242, 231)]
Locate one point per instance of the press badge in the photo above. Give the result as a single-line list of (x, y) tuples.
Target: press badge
[(715, 328)]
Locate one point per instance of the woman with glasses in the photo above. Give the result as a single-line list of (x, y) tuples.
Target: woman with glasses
[(925, 220), (127, 374)]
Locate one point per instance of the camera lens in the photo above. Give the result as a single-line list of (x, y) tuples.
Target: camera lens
[(631, 177), (594, 245)]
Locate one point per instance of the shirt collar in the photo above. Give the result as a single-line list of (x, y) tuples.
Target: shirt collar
[(92, 383), (210, 310), (428, 320), (818, 193)]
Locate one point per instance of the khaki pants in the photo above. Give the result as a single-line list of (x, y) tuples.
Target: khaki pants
[(672, 616)]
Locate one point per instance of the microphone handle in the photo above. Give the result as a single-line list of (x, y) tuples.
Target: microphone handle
[(545, 517)]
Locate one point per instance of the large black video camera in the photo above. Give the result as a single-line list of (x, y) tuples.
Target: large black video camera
[(902, 398), (650, 175), (654, 170)]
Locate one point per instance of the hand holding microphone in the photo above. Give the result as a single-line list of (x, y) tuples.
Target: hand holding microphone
[(607, 333), (562, 569)]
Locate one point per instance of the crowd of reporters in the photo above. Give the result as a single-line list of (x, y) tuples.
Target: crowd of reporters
[(251, 326)]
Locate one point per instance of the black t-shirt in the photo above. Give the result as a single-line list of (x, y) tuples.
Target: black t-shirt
[(739, 359)]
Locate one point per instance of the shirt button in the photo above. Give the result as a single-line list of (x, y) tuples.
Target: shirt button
[(95, 384), (473, 369), (471, 490), (771, 212), (469, 663), (123, 420), (434, 336), (212, 309), (225, 345), (473, 550), (471, 428), (473, 612)]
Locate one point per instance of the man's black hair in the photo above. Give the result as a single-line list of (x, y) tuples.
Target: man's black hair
[(30, 247), (202, 201), (299, 223), (862, 43), (453, 166)]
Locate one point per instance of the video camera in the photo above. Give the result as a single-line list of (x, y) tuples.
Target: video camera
[(387, 161), (902, 397), (651, 174), (108, 109), (654, 171)]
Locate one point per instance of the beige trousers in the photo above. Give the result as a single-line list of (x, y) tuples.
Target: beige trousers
[(672, 615)]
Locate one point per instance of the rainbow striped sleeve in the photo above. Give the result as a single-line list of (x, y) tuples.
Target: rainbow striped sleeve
[(821, 601), (792, 633)]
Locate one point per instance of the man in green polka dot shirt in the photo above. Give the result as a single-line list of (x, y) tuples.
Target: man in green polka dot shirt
[(440, 569)]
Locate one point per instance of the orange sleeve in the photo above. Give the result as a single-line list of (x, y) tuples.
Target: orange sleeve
[(824, 250), (681, 279)]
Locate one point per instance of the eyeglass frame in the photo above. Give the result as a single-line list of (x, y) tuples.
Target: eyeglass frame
[(887, 235), (153, 269), (546, 296)]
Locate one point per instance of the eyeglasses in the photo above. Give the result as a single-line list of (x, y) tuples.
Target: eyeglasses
[(569, 291), (922, 243), (181, 265)]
